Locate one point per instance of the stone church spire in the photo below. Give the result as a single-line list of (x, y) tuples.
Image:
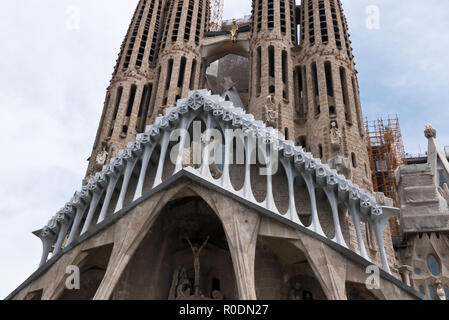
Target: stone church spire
[(328, 113), (128, 102)]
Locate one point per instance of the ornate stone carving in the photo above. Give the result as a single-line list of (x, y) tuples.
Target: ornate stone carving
[(335, 137), (430, 132), (271, 115), (196, 250), (441, 295), (234, 31), (342, 165), (295, 292), (444, 192)]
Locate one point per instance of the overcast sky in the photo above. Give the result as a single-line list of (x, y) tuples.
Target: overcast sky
[(55, 75)]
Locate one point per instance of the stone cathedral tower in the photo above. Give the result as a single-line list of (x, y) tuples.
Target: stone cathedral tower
[(145, 221), (302, 78)]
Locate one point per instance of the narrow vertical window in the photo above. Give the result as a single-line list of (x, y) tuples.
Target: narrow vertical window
[(315, 87), (271, 61), (146, 107), (300, 91), (311, 23), (315, 79), (354, 160), (169, 72), (192, 75), (282, 16), (182, 71), (344, 89), (132, 96), (117, 102), (188, 21), (270, 14), (357, 106), (329, 83), (259, 70), (285, 74), (305, 92), (323, 23), (320, 148), (143, 100)]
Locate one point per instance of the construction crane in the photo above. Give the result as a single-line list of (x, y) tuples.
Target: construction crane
[(216, 14)]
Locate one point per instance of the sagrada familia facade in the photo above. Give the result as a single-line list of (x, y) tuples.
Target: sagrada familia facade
[(152, 223)]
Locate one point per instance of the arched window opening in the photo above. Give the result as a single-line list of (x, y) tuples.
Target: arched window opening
[(131, 99), (323, 23), (433, 264), (117, 102), (329, 83), (354, 160), (192, 75), (270, 14), (169, 72), (259, 70), (315, 79), (344, 89), (182, 71), (271, 61)]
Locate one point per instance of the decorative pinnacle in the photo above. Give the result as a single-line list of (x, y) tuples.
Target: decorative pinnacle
[(430, 132)]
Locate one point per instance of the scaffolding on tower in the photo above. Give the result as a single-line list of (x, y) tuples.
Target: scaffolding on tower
[(216, 14), (386, 154)]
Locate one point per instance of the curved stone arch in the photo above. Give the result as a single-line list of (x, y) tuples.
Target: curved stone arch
[(218, 47), (318, 175)]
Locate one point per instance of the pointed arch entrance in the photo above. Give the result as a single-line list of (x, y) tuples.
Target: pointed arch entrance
[(164, 264)]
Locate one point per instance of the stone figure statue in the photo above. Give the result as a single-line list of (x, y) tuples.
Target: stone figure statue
[(430, 132), (102, 156), (271, 114), (196, 262), (234, 31), (335, 137), (295, 292), (444, 192), (181, 287), (342, 165), (440, 291)]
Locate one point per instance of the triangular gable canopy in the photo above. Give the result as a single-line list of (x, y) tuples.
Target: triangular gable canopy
[(216, 113)]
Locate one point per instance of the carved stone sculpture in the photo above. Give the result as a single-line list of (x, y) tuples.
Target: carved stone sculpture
[(430, 132), (295, 292), (335, 137), (444, 192), (234, 31), (196, 262), (271, 114), (342, 165), (441, 295)]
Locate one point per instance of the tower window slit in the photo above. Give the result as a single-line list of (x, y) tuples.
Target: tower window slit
[(132, 97), (117, 102), (169, 72), (315, 79), (271, 61), (344, 87), (282, 16), (259, 70), (182, 72), (285, 73), (192, 75), (329, 83), (357, 106), (270, 14)]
